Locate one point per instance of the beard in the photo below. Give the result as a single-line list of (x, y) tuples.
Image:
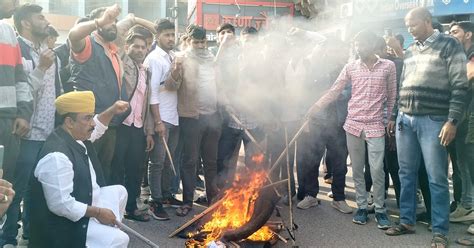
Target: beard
[(39, 32), (108, 35)]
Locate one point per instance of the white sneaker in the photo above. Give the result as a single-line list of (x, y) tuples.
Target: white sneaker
[(9, 246), (23, 242), (419, 199), (330, 194), (141, 205), (341, 206), (471, 229), (307, 202), (461, 214), (145, 191), (370, 198)]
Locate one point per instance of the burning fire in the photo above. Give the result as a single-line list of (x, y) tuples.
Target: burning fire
[(237, 208)]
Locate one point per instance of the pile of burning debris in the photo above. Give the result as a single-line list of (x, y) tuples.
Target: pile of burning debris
[(241, 214), (241, 218)]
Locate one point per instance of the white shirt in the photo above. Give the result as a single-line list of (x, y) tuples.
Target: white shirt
[(159, 63), (55, 172)]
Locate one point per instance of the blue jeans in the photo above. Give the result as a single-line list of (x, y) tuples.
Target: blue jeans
[(416, 136), (25, 165), (160, 174)]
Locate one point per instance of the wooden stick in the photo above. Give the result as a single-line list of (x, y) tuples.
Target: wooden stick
[(279, 236), (260, 148), (235, 244), (289, 184), (247, 132), (197, 217), (274, 184), (298, 133), (169, 154), (136, 234)]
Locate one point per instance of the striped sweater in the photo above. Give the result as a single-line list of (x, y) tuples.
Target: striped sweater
[(16, 100), (434, 79)]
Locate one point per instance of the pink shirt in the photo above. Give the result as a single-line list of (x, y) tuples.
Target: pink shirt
[(372, 91), (137, 101)]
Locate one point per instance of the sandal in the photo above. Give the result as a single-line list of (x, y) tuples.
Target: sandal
[(466, 241), (439, 241), (183, 210), (138, 216), (399, 230)]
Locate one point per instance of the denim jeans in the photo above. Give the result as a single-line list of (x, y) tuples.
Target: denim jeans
[(25, 165), (417, 135), (376, 151), (160, 174), (465, 155)]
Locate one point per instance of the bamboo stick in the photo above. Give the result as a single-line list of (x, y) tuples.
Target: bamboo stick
[(136, 234), (165, 144), (197, 217)]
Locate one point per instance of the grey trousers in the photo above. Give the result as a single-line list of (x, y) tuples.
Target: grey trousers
[(376, 149), (160, 174)]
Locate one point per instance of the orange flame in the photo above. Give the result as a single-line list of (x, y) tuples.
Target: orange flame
[(258, 158), (237, 209)]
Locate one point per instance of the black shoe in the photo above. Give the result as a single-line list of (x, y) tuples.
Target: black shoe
[(172, 202), (158, 212), (202, 200)]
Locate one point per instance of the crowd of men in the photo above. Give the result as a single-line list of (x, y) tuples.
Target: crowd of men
[(86, 124)]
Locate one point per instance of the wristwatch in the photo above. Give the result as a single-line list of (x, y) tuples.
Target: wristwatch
[(453, 121)]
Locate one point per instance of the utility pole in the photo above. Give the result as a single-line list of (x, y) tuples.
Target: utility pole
[(176, 23)]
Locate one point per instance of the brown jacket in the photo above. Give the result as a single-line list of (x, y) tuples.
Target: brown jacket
[(186, 85), (131, 81)]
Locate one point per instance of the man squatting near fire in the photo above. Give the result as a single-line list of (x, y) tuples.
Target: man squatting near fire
[(192, 92)]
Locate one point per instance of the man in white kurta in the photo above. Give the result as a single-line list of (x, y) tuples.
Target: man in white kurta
[(55, 173)]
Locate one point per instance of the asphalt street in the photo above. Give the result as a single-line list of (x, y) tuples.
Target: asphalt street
[(321, 226)]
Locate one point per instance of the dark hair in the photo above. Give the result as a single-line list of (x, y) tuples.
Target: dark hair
[(464, 25), (380, 43), (249, 30), (82, 19), (142, 30), (400, 39), (163, 24), (96, 13), (52, 32), (437, 25), (365, 36), (224, 26), (197, 33), (134, 35), (25, 12)]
